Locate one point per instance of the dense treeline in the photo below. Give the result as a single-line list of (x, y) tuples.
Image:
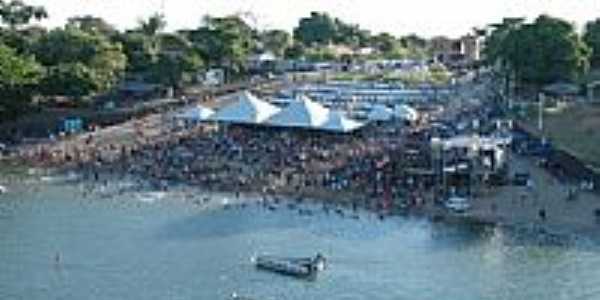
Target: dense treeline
[(545, 51), (319, 30), (88, 56)]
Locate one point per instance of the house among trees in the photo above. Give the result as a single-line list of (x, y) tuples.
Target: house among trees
[(463, 51)]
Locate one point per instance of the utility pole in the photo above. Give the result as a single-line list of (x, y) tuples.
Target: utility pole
[(541, 100)]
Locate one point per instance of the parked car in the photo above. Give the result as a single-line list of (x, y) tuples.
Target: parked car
[(521, 178)]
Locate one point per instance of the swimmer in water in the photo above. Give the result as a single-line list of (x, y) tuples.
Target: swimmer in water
[(57, 259)]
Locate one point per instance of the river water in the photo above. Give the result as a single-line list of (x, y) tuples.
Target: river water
[(56, 243)]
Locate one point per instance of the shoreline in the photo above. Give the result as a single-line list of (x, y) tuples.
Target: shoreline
[(552, 233)]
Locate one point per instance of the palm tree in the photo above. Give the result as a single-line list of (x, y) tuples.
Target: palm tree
[(153, 25)]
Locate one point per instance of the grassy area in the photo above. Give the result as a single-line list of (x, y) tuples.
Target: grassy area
[(354, 76), (409, 78), (574, 129)]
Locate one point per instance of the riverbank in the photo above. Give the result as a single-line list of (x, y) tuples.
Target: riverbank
[(517, 216), (501, 207)]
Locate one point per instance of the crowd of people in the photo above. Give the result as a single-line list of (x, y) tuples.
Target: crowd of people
[(363, 168), (352, 168)]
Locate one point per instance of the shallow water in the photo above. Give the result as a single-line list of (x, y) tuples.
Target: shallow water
[(170, 247)]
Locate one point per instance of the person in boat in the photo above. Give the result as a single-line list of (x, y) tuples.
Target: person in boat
[(319, 262)]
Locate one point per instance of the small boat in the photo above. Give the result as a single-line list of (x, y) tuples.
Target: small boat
[(305, 267), (3, 189)]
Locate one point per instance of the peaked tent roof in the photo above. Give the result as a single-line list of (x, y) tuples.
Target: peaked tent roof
[(196, 113), (338, 122), (380, 113), (247, 110), (303, 112)]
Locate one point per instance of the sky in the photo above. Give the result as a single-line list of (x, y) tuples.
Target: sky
[(427, 18)]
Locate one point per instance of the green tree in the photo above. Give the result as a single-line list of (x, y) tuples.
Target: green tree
[(495, 53), (64, 50), (166, 58), (224, 42), (318, 29), (413, 40), (70, 79), (143, 45), (385, 42), (153, 25), (16, 13), (23, 39), (192, 63), (496, 41), (18, 76), (92, 25), (276, 41), (415, 47), (389, 46), (173, 42), (295, 51), (559, 55), (350, 34), (141, 51), (167, 70), (176, 69), (591, 37), (16, 70)]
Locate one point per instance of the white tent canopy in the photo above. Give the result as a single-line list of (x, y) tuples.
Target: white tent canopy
[(406, 112), (247, 110), (196, 114), (338, 122), (380, 113), (302, 112)]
